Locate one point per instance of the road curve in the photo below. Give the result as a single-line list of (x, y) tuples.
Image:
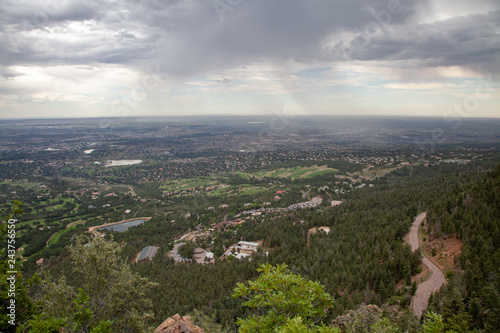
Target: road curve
[(414, 231), (175, 252), (420, 300)]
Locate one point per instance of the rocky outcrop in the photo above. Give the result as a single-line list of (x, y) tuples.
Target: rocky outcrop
[(178, 324), (363, 317)]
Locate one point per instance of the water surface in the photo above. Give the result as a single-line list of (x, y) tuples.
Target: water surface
[(124, 226)]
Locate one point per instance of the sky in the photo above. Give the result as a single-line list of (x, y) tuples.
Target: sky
[(121, 58)]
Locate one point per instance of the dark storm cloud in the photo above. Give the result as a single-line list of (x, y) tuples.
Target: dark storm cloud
[(263, 30), (472, 41), (189, 38)]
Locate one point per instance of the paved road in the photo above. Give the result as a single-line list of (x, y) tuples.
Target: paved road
[(420, 300), (175, 252), (414, 231)]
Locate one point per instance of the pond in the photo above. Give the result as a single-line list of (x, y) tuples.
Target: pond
[(122, 162), (124, 226)]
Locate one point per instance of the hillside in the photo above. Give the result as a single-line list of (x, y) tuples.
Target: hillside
[(473, 215)]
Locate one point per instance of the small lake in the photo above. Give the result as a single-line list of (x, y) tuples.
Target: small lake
[(124, 226), (123, 162)]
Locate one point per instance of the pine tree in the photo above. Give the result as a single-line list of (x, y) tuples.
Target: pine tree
[(111, 298)]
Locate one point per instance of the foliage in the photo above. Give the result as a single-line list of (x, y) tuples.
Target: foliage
[(111, 297), (207, 323), (23, 304), (297, 325), (360, 262), (383, 325), (277, 296), (433, 323), (471, 299)]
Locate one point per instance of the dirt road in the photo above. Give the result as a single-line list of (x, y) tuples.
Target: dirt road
[(420, 300)]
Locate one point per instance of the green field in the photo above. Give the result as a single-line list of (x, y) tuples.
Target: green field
[(74, 224), (183, 184), (238, 190), (58, 235), (298, 172), (318, 173), (25, 185)]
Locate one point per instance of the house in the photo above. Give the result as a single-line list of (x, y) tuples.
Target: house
[(248, 246), (127, 211), (39, 261), (147, 253), (198, 251), (242, 256), (199, 254), (222, 224), (280, 192), (224, 206)]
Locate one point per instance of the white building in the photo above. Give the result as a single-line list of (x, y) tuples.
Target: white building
[(248, 246), (242, 256)]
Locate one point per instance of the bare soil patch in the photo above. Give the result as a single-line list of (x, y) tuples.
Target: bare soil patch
[(446, 251)]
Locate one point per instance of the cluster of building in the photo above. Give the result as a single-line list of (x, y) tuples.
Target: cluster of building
[(314, 202), (241, 250), (202, 256)]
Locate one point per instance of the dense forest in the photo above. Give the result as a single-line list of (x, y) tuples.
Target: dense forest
[(360, 261), (363, 260), (472, 213)]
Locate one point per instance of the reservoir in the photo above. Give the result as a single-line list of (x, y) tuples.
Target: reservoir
[(122, 162), (124, 226)]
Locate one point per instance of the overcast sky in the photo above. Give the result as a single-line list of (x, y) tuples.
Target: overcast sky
[(103, 58)]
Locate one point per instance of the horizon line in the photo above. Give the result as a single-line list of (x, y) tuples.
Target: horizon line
[(255, 116)]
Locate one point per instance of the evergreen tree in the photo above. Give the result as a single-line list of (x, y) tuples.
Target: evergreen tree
[(280, 298), (111, 296), (17, 307)]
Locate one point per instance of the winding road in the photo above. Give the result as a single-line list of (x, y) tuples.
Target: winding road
[(175, 252), (420, 300)]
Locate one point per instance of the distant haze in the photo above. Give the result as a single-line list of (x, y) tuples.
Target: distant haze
[(74, 58)]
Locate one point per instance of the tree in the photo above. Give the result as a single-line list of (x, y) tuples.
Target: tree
[(433, 323), (111, 298), (278, 297), (383, 325), (297, 325), (14, 299)]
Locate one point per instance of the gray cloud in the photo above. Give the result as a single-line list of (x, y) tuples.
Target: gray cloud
[(472, 41), (188, 38)]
